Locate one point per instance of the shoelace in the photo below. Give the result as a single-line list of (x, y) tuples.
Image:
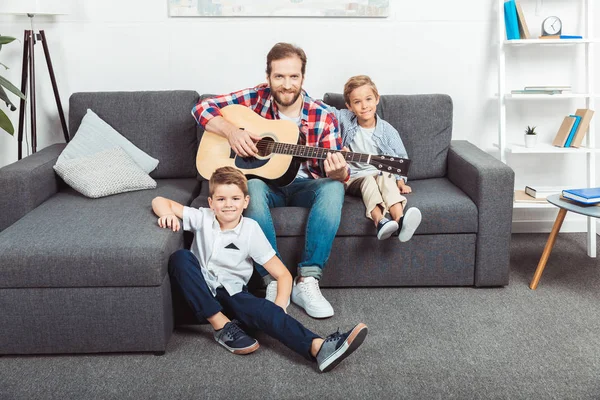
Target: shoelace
[(235, 331), (334, 336), (271, 291), (313, 290)]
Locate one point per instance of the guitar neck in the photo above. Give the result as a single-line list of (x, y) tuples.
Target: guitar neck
[(298, 150)]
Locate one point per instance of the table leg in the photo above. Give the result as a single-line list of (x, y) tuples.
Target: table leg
[(549, 244)]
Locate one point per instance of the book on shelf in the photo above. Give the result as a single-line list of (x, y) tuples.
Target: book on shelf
[(536, 91), (573, 130), (540, 192), (523, 29), (584, 195), (586, 116), (563, 132), (561, 37), (510, 20), (566, 88), (522, 197)]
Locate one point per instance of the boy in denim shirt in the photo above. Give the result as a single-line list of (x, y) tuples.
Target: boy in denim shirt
[(213, 276), (364, 132)]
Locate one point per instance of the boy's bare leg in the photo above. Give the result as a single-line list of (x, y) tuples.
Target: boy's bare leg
[(218, 321), (377, 214), (316, 346), (397, 211)]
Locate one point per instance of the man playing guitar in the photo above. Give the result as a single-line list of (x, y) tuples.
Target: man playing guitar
[(317, 186)]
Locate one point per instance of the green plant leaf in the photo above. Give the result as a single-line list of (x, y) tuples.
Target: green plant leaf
[(11, 88), (5, 123), (6, 39), (5, 67), (4, 98)]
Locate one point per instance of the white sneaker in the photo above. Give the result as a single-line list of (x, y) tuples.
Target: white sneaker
[(307, 295), (271, 294), (410, 223)]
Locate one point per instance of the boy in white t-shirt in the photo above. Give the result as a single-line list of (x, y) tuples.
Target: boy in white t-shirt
[(212, 277), (365, 132)]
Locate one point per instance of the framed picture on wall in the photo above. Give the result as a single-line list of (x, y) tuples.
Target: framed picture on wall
[(278, 8)]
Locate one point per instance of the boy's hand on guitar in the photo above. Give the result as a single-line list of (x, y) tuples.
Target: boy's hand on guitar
[(243, 143), (169, 221), (336, 166)]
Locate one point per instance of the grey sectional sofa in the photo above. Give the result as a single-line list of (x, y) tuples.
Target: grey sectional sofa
[(80, 275)]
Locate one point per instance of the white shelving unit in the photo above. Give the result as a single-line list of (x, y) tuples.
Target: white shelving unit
[(589, 149)]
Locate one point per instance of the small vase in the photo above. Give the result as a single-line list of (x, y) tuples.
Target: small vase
[(530, 141)]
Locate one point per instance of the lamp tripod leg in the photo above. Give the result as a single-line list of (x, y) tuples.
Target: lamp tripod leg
[(32, 92), (54, 86), (25, 66)]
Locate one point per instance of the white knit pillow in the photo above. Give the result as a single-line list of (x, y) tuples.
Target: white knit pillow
[(94, 135), (105, 173)]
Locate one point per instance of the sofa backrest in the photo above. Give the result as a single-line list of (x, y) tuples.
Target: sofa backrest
[(158, 122), (424, 122)]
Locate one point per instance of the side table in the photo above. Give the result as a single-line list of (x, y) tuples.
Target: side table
[(564, 205)]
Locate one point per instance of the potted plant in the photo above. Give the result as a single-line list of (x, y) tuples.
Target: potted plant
[(530, 137), (5, 123)]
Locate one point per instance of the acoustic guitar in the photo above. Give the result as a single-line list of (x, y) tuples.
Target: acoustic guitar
[(279, 155)]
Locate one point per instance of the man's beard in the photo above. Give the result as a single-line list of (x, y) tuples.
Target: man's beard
[(280, 101)]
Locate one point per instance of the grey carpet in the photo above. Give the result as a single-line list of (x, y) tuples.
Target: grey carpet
[(423, 343)]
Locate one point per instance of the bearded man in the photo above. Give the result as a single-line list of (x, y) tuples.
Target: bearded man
[(317, 186)]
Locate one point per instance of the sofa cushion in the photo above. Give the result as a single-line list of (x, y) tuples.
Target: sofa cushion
[(73, 241), (424, 122), (445, 208), (95, 135), (105, 173), (159, 123)]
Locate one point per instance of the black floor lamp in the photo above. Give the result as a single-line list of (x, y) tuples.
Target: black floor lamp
[(31, 8)]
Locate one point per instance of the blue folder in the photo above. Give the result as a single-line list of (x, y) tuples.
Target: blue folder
[(510, 20), (573, 130)]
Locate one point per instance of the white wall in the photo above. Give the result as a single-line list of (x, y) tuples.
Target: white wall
[(426, 46)]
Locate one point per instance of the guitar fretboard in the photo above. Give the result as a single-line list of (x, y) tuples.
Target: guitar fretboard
[(316, 152)]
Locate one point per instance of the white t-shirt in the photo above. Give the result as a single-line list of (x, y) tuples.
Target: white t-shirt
[(363, 143), (226, 256), (303, 171)]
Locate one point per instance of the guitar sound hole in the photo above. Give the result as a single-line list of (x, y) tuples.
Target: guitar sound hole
[(265, 146)]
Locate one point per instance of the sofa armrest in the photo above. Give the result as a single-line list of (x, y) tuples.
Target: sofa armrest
[(27, 183), (490, 184)]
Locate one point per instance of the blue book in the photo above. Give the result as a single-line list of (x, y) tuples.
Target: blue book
[(571, 37), (573, 130), (585, 195), (510, 20)]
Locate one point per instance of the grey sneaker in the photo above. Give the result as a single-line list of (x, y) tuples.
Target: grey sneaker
[(234, 339), (338, 346)]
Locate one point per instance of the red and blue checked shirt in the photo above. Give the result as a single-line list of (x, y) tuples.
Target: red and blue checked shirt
[(319, 127)]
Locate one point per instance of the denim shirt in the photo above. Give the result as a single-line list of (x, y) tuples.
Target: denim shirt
[(386, 137)]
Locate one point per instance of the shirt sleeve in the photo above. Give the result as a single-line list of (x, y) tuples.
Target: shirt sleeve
[(192, 218), (261, 250), (331, 138), (207, 109)]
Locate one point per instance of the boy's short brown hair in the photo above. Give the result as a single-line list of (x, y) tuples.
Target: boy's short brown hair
[(227, 176), (356, 82), (285, 50)]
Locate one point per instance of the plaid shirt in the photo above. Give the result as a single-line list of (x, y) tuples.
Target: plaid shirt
[(319, 127)]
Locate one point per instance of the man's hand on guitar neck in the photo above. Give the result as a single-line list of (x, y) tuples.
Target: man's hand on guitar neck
[(241, 142), (336, 166)]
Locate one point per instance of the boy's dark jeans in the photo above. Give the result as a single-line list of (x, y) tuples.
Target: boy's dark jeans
[(254, 312)]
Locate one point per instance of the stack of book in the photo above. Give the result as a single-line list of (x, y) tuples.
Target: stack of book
[(542, 90), (573, 129), (514, 20), (583, 196)]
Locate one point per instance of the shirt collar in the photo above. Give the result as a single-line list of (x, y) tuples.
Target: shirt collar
[(236, 230)]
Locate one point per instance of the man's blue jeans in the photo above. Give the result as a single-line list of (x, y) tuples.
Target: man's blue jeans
[(324, 197)]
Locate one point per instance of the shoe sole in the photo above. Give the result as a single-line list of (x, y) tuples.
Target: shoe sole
[(412, 220), (352, 342), (245, 350), (387, 230), (313, 314)]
